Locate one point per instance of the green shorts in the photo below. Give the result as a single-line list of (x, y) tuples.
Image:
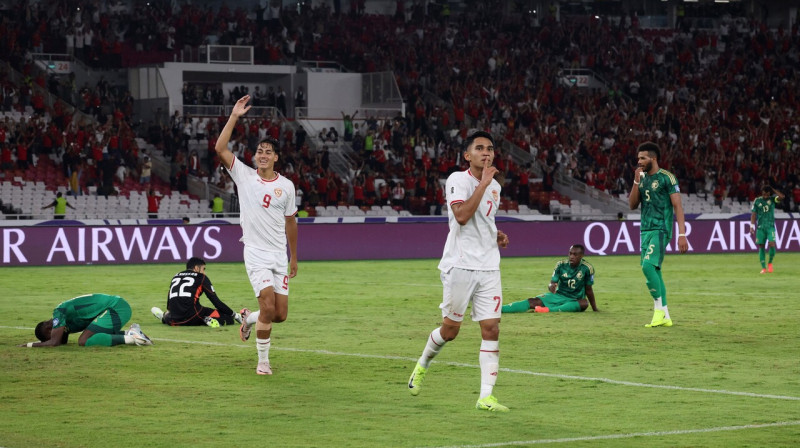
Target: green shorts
[(551, 300), (654, 244), (763, 235), (112, 319)]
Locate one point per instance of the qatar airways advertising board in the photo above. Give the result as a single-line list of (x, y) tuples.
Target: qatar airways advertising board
[(69, 245)]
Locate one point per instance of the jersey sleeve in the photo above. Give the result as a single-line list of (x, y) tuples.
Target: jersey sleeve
[(237, 170), (554, 277), (589, 275), (456, 191), (673, 184), (208, 289), (753, 207), (291, 204), (59, 317)]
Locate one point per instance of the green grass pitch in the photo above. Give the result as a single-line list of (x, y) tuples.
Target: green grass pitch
[(726, 375)]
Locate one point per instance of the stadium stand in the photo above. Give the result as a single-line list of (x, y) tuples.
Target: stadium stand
[(719, 96)]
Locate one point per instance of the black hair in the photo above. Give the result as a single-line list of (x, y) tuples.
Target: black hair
[(468, 142), (39, 331), (579, 246), (651, 148), (194, 262), (271, 141), (766, 188)]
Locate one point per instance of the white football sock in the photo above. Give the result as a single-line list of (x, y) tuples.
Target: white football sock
[(432, 348), (252, 318), (490, 363), (666, 312), (262, 346), (657, 304)]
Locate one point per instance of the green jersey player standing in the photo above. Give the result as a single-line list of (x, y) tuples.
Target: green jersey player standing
[(658, 192), (763, 211)]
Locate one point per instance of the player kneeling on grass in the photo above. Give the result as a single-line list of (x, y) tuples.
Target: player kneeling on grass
[(570, 287), (183, 300), (99, 316)]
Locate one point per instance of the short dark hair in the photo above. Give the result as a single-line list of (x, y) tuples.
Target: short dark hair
[(579, 246), (194, 262), (766, 188), (271, 141), (58, 195), (39, 331), (475, 135), (651, 148)]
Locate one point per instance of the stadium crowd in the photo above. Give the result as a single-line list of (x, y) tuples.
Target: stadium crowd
[(720, 102)]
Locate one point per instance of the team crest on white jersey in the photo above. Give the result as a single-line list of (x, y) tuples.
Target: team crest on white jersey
[(278, 192), (495, 195)]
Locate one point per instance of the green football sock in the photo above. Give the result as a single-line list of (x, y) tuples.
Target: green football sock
[(761, 257), (653, 282), (771, 254), (663, 288), (105, 340), (516, 307)]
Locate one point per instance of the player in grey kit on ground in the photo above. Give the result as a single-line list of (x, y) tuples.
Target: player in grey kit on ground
[(267, 206), (470, 267)]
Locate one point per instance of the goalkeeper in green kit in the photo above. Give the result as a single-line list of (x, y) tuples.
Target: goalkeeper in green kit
[(763, 211), (658, 193)]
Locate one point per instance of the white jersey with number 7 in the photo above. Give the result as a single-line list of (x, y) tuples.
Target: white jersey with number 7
[(474, 245)]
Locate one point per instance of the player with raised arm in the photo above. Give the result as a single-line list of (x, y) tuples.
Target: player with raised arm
[(570, 288), (763, 212), (658, 193), (267, 207), (470, 267)]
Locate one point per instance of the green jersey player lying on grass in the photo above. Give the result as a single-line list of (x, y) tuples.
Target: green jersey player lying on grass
[(99, 317), (570, 287)]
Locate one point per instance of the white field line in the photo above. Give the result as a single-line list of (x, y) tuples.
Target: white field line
[(627, 436), (475, 366), (522, 372)]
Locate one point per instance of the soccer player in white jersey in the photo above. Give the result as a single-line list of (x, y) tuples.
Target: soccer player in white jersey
[(267, 209), (470, 266)]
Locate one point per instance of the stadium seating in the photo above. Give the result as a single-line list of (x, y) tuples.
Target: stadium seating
[(703, 52)]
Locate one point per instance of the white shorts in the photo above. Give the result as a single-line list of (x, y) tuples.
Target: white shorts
[(482, 288), (267, 269)]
